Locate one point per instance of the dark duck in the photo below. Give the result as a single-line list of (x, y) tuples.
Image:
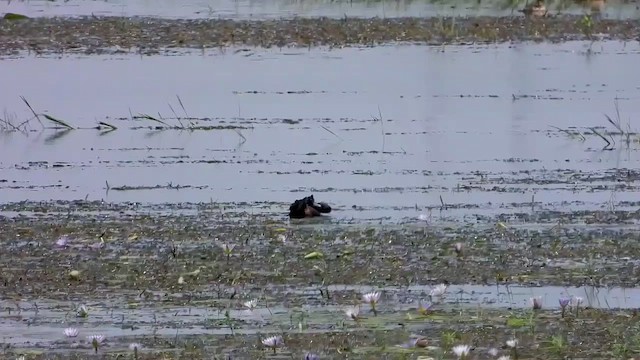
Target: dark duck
[(307, 207)]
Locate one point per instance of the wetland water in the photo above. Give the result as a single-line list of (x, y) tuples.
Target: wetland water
[(473, 125), (478, 166), (276, 9)]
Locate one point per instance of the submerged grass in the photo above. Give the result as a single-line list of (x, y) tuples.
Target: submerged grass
[(620, 130)]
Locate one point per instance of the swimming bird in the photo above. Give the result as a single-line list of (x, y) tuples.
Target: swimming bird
[(307, 207), (537, 9), (596, 5)]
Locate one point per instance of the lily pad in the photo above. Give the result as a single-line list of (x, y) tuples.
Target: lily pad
[(14, 16)]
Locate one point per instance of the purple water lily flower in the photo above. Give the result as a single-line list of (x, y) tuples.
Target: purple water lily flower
[(564, 302), (62, 241)]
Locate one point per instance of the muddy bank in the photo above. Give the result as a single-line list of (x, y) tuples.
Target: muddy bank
[(149, 35)]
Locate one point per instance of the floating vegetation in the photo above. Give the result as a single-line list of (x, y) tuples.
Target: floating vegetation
[(95, 35), (14, 16)]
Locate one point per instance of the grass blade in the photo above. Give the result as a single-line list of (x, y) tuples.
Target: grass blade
[(608, 146), (149, 117), (331, 132), (33, 111), (616, 125), (58, 121), (181, 105), (107, 125)]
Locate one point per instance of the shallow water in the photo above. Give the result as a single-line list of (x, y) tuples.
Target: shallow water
[(470, 124), (253, 9), (117, 319)]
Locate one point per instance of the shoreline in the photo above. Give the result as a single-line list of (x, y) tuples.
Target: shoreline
[(104, 35)]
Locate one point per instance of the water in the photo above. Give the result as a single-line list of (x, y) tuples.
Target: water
[(254, 9), (452, 128), (115, 321)]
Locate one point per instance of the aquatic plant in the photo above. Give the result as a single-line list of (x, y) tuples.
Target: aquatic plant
[(513, 344), (62, 241), (71, 332), (438, 291), (96, 341), (135, 347), (14, 16), (448, 339), (353, 313), (227, 249), (251, 304), (617, 124), (536, 302), (458, 248), (586, 26), (558, 344), (273, 342), (576, 302), (424, 309), (82, 311), (564, 302), (461, 351), (372, 299)]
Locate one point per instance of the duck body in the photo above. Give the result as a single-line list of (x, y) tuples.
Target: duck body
[(537, 9), (597, 6), (307, 207)]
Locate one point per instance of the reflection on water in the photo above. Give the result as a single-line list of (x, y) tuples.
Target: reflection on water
[(259, 9)]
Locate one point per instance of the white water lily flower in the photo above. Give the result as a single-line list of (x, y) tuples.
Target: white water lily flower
[(536, 302), (227, 248), (493, 352), (82, 311), (512, 343), (135, 347), (96, 341), (96, 338), (577, 301), (371, 297), (251, 304), (352, 312), (71, 332), (273, 342), (461, 350), (438, 290)]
